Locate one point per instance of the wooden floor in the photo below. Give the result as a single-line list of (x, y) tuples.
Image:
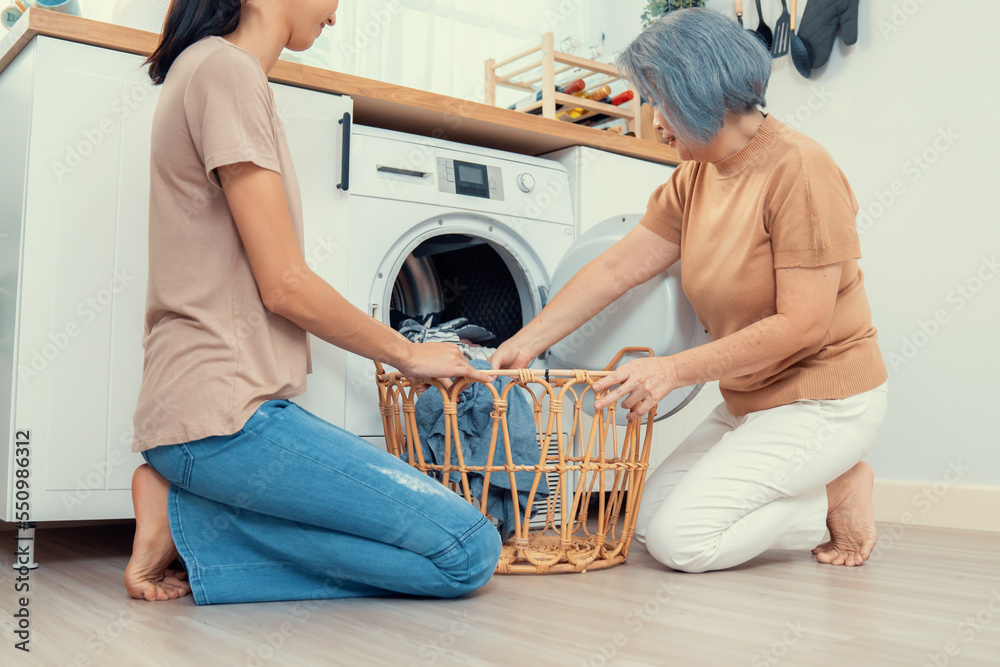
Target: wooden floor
[(929, 597)]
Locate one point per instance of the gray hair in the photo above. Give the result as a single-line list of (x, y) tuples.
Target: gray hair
[(696, 65)]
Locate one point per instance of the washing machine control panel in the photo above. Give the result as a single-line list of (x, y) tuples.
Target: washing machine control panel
[(526, 182), (459, 177)]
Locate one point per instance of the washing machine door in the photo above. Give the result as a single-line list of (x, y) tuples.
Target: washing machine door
[(656, 315)]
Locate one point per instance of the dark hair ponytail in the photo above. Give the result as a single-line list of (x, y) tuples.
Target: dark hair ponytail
[(187, 22)]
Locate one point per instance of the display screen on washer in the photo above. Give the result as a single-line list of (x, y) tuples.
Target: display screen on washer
[(471, 179)]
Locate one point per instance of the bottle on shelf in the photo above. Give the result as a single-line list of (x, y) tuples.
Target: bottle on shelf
[(601, 94), (617, 100), (530, 100), (622, 98), (572, 88)]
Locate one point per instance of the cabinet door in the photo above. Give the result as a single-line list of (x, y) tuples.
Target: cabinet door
[(83, 277), (15, 118), (311, 120)]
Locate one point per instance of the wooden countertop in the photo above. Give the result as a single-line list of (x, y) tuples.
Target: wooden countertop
[(375, 102)]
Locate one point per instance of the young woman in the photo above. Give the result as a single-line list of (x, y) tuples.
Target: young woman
[(765, 224), (260, 499)]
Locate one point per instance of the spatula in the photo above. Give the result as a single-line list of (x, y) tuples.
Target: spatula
[(782, 33), (763, 30), (800, 55)]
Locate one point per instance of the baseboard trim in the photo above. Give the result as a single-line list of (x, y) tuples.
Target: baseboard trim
[(938, 504), (42, 525)]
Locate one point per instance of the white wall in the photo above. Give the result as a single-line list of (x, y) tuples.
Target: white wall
[(920, 72), (438, 46)]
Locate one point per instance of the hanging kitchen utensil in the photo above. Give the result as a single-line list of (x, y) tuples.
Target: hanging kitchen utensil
[(821, 21), (781, 33), (763, 31), (739, 12), (800, 55)]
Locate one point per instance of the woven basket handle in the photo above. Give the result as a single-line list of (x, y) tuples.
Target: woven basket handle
[(621, 353), (625, 350)]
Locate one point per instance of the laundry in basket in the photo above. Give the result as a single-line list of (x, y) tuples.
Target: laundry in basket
[(475, 423)]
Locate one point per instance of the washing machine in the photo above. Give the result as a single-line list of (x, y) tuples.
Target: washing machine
[(441, 227)]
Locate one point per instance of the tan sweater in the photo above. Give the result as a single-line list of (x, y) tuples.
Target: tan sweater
[(213, 352), (780, 202)]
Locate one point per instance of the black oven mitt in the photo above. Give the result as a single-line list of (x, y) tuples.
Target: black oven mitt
[(818, 28)]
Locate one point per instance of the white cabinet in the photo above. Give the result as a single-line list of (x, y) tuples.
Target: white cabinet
[(74, 196), (313, 123), (75, 284)]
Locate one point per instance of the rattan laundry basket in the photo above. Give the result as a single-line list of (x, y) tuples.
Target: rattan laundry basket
[(601, 465)]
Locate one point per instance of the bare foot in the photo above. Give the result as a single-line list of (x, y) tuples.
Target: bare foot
[(851, 519), (147, 576)]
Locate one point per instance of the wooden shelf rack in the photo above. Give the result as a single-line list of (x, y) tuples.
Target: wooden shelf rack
[(555, 64)]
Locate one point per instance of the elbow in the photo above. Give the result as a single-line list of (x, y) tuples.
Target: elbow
[(618, 279), (814, 335), (802, 334), (280, 301), (283, 295)]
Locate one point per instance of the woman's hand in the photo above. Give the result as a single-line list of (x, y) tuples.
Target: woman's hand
[(644, 381), (437, 360), (511, 354), (636, 258)]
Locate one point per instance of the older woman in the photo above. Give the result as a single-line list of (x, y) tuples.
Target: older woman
[(765, 224)]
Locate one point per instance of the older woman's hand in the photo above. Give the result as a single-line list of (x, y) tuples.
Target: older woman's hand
[(644, 381)]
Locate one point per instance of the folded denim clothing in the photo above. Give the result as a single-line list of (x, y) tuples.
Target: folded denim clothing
[(475, 427)]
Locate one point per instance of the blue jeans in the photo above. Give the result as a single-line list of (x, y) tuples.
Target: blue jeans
[(292, 508)]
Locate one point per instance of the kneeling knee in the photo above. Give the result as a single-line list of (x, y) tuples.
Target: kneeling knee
[(676, 551), (482, 547), (484, 556)]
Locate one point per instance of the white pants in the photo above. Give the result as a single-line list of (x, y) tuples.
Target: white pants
[(738, 486)]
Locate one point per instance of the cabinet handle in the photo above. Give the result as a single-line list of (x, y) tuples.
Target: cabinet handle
[(401, 172), (345, 156)]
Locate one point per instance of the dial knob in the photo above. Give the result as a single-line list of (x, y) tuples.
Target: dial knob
[(526, 182)]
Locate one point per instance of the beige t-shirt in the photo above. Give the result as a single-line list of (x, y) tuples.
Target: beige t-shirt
[(780, 202), (213, 352)]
